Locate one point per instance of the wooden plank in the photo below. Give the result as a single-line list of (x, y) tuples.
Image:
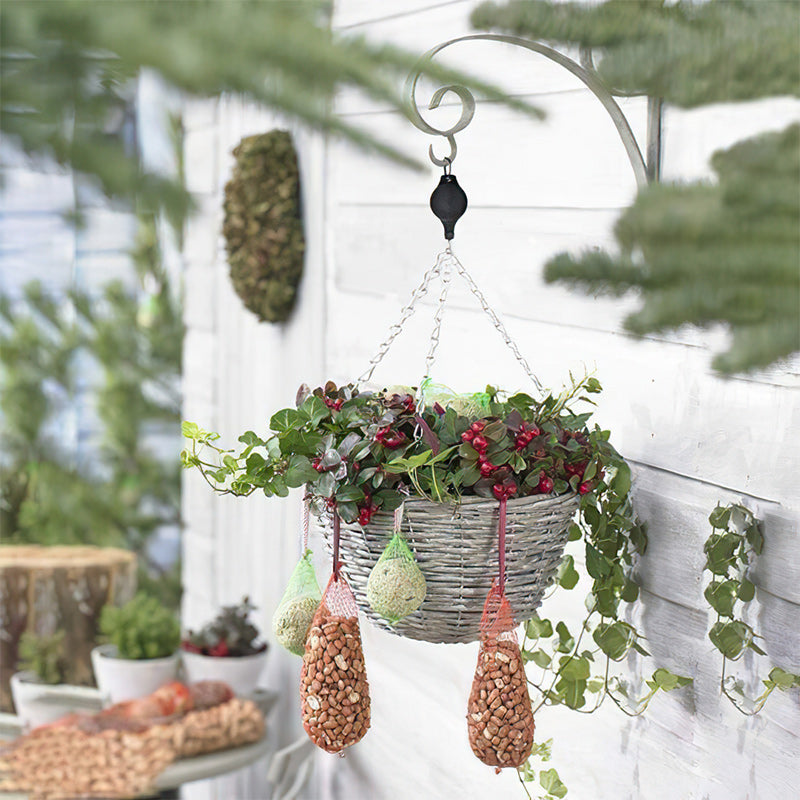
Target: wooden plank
[(660, 403), (505, 159)]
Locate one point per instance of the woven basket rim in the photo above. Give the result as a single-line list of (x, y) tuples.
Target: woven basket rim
[(473, 501)]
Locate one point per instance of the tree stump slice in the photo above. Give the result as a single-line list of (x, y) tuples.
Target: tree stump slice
[(47, 589)]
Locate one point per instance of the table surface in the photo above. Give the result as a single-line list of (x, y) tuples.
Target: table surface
[(185, 770)]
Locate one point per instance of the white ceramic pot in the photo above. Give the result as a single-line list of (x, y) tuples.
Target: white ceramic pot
[(125, 678), (240, 673), (38, 703)]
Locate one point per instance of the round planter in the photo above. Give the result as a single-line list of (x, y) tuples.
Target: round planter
[(34, 701), (126, 679), (456, 549), (240, 673)]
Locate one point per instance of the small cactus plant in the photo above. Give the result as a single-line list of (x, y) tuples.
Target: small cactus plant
[(45, 656), (230, 633), (141, 629)]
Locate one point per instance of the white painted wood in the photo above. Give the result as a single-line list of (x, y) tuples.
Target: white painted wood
[(535, 189)]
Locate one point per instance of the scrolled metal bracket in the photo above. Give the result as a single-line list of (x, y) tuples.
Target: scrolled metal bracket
[(644, 171)]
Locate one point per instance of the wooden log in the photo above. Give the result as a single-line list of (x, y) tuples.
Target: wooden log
[(47, 589)]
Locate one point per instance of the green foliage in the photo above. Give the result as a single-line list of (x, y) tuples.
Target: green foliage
[(68, 70), (44, 655), (142, 628), (703, 253), (263, 227), (230, 633), (127, 493), (726, 252), (735, 539), (358, 451), (689, 53)]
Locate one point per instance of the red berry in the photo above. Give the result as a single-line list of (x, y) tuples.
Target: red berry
[(467, 436), (480, 443), (545, 484), (487, 469), (585, 487), (477, 427), (317, 464)]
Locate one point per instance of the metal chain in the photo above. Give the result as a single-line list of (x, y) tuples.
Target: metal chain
[(407, 311), (445, 276), (494, 318), (444, 260)]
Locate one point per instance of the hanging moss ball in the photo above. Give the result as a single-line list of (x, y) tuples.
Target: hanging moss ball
[(263, 226), (395, 588)]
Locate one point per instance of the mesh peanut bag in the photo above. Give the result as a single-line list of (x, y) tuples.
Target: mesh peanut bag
[(333, 680), (499, 713), (396, 585), (300, 601)]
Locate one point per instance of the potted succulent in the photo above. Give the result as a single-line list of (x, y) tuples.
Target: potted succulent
[(141, 653), (39, 691), (227, 649)]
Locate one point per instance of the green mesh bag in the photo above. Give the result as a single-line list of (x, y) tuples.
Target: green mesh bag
[(396, 585), (473, 405), (299, 603)]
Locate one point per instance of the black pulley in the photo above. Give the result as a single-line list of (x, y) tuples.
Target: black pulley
[(448, 203)]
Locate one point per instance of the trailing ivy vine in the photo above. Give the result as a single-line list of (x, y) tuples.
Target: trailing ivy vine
[(736, 539)]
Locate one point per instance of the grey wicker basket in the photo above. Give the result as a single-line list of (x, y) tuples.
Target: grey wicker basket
[(456, 549)]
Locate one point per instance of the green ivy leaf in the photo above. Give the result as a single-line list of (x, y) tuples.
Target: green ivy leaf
[(574, 668), (349, 494), (313, 410), (298, 472), (746, 591), (667, 681), (721, 596), (551, 783), (731, 637), (719, 517), (567, 576), (565, 640), (284, 420), (613, 638), (783, 679), (537, 628), (574, 533), (597, 565)]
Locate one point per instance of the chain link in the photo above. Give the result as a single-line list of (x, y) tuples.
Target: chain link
[(407, 312), (501, 329), (445, 276), (441, 269)]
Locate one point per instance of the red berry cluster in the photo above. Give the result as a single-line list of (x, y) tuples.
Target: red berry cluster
[(525, 436), (389, 438), (474, 436), (545, 485), (336, 405), (366, 511)]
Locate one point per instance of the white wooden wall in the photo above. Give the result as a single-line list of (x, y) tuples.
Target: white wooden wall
[(695, 439)]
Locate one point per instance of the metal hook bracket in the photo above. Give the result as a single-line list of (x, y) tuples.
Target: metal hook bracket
[(644, 171)]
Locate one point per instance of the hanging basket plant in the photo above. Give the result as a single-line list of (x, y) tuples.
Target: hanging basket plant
[(263, 226)]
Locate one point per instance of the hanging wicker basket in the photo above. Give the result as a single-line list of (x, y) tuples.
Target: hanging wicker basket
[(456, 549)]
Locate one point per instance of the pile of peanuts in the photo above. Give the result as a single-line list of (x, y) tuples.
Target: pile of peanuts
[(122, 761), (62, 762), (499, 714), (221, 727), (333, 682)]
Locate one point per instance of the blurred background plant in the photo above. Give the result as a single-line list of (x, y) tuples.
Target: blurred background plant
[(45, 656), (126, 493), (705, 253)]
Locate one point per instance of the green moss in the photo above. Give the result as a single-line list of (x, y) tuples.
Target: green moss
[(263, 227)]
